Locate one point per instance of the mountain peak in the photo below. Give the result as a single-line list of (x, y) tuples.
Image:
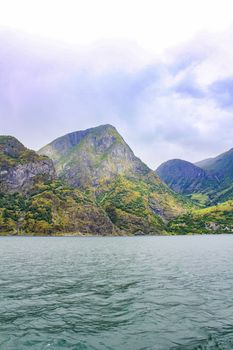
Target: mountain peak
[(88, 156), (4, 139), (105, 126)]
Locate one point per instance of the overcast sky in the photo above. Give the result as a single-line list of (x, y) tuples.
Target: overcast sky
[(161, 71)]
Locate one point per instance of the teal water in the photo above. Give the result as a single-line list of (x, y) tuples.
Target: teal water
[(116, 293)]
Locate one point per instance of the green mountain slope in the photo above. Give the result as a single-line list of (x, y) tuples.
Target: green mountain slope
[(215, 219), (52, 208)]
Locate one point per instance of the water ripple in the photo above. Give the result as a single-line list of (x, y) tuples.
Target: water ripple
[(162, 293)]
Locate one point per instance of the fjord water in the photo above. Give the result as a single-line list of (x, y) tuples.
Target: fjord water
[(116, 293)]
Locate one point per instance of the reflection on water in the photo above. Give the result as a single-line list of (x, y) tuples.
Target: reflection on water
[(116, 293)]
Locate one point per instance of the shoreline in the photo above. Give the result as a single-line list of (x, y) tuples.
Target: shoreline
[(80, 235)]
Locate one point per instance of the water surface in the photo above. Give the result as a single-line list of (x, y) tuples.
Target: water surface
[(116, 293)]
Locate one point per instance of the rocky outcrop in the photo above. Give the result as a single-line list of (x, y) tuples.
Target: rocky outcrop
[(21, 167), (21, 177)]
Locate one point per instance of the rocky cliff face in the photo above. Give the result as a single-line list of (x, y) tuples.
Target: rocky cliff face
[(20, 167), (32, 201), (21, 178)]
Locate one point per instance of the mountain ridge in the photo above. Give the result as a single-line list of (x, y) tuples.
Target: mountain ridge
[(221, 165), (96, 185)]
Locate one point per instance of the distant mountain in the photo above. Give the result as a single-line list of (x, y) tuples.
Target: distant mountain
[(222, 166), (210, 181), (202, 163), (99, 161), (186, 178)]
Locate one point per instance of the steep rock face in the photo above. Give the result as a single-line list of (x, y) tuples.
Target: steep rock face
[(186, 178), (20, 167), (84, 158), (21, 177)]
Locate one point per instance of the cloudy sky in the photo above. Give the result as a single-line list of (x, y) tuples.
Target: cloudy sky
[(161, 71)]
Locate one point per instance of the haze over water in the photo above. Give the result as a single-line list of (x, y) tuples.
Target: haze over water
[(116, 293)]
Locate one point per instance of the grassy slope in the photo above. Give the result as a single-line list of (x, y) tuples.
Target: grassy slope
[(133, 206), (215, 219), (140, 205), (53, 208), (212, 197)]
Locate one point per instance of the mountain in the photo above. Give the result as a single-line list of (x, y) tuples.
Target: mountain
[(85, 158), (32, 201), (98, 161), (186, 178)]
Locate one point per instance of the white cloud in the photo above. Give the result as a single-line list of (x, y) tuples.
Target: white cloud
[(154, 25), (178, 105)]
